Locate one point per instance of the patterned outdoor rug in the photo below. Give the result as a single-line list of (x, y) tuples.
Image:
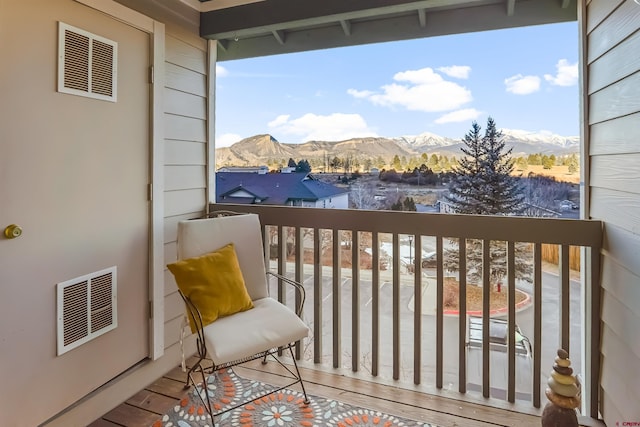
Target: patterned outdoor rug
[(282, 409)]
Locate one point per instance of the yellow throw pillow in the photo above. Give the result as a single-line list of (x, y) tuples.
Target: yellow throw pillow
[(214, 283)]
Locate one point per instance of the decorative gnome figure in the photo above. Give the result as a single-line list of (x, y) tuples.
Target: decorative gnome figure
[(563, 394)]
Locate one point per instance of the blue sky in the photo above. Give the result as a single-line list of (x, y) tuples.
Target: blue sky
[(525, 78)]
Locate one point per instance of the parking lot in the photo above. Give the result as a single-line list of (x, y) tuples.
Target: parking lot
[(524, 318)]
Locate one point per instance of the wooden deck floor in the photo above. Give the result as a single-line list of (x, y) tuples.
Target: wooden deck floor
[(146, 406)]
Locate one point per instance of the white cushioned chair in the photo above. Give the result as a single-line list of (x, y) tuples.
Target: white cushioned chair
[(265, 329)]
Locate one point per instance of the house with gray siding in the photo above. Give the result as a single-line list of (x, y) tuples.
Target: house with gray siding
[(284, 189)]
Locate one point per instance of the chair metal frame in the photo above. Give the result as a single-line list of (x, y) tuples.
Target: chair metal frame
[(206, 369)]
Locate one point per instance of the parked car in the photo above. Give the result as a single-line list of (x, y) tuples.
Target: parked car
[(566, 205), (429, 260)]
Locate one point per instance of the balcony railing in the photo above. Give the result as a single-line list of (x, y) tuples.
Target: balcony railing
[(389, 315)]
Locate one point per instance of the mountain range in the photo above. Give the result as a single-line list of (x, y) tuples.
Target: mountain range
[(265, 149)]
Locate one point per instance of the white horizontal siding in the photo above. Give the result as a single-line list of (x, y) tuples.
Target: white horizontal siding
[(597, 11), (169, 283), (185, 55), (622, 321), (613, 382), (185, 80), (615, 282), (185, 104), (613, 84), (617, 136), (616, 172), (615, 64), (622, 246), (624, 357), (179, 202), (170, 337), (185, 126), (610, 407), (171, 225), (184, 177), (621, 23), (620, 99), (184, 153), (616, 207), (170, 251)]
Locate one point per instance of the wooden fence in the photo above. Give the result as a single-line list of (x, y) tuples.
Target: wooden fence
[(551, 253)]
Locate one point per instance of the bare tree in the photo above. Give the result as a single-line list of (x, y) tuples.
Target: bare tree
[(362, 196)]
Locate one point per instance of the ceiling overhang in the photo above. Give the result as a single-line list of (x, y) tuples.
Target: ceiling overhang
[(209, 5), (268, 27)]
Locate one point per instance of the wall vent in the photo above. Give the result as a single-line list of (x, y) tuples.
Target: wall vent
[(86, 308), (87, 64)]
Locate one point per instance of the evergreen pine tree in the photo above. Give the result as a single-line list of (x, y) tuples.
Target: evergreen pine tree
[(303, 166), (523, 256), (503, 190), (482, 182), (483, 185), (465, 192), (409, 204)]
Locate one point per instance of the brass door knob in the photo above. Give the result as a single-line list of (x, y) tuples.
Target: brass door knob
[(12, 231)]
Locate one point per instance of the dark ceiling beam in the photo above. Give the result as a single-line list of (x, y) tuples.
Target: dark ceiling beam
[(279, 36), (511, 7), (422, 17), (402, 27), (266, 16), (223, 44), (346, 27)]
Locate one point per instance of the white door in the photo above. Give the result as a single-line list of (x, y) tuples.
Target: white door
[(74, 173)]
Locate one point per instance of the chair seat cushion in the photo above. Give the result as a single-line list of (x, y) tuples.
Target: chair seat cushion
[(269, 324)]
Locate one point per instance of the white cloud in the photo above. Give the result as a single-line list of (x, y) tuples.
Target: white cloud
[(279, 121), (522, 85), (360, 93), (424, 76), (457, 71), (221, 71), (458, 116), (333, 127), (566, 74), (418, 90), (227, 139)]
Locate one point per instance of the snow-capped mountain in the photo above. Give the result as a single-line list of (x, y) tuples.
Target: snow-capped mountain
[(426, 139), (262, 149), (543, 137), (522, 142)]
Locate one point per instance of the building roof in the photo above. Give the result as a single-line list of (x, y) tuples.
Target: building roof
[(272, 188)]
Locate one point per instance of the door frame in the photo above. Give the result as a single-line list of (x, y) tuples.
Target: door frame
[(156, 33)]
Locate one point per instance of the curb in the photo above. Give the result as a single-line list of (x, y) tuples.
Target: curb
[(522, 304)]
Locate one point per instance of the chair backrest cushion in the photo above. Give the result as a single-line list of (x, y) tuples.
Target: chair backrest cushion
[(214, 284), (200, 236)]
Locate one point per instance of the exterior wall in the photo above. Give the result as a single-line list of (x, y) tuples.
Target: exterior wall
[(74, 173), (613, 126), (184, 189), (340, 201), (186, 136)]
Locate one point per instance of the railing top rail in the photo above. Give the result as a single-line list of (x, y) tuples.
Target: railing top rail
[(508, 228)]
